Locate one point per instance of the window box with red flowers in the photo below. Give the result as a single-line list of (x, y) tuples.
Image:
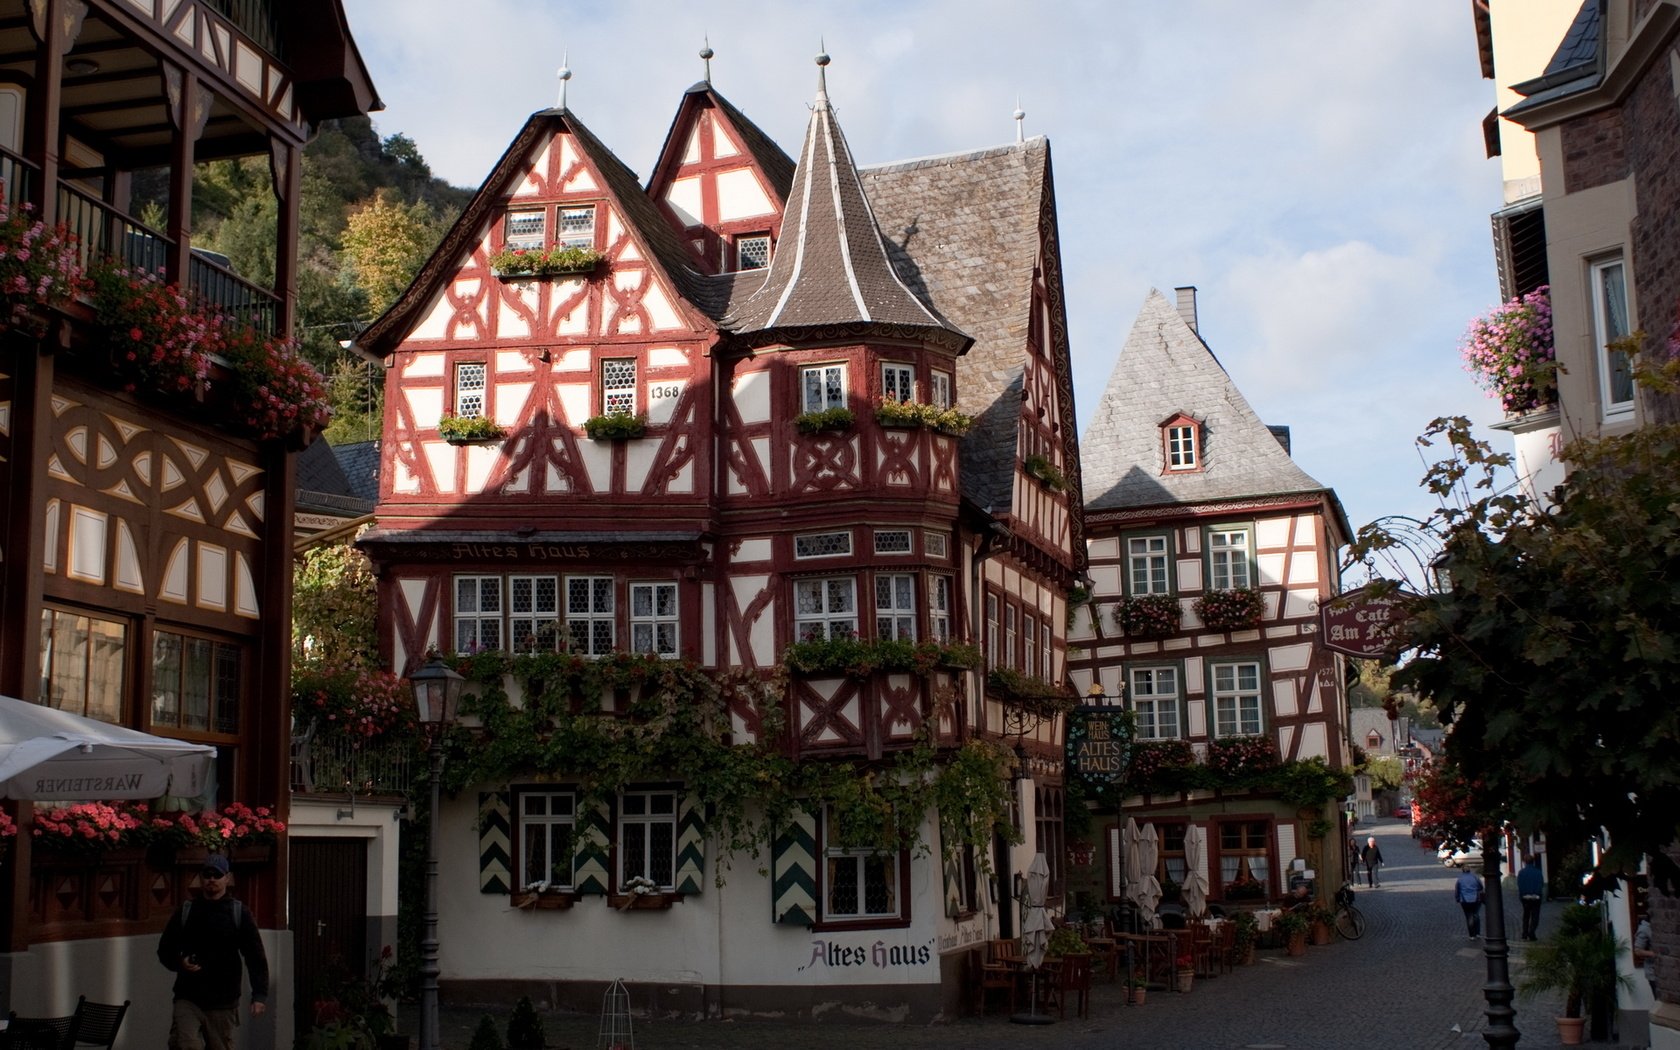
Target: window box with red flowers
[(522, 263), (1236, 756), (1238, 609), (1149, 616)]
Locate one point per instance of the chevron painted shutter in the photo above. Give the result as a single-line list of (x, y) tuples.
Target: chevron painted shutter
[(590, 858), (691, 844), (495, 843), (953, 875), (793, 871)]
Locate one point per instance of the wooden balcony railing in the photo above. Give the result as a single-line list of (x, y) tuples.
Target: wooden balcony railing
[(106, 233)]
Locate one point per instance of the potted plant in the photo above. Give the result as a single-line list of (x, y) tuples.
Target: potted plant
[(1149, 615), (1321, 922), (1579, 960), (615, 426), (469, 430), (1510, 352), (1137, 987), (1065, 940), (525, 1027), (1238, 609), (907, 414), (538, 262), (1184, 968), (827, 419), (1292, 926), (1045, 471), (1246, 934)]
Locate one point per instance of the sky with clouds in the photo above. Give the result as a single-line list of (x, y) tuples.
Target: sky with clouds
[(1314, 167)]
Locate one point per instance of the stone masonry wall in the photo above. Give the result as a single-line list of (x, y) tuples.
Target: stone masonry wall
[(1651, 119), (1593, 153)]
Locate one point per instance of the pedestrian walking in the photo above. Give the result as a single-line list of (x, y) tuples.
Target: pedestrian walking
[(203, 944), (1373, 858), (1353, 860), (1467, 891), (1531, 887)]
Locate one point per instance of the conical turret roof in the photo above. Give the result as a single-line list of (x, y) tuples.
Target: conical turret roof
[(830, 268)]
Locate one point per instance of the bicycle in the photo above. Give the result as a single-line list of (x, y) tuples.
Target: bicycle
[(1350, 921)]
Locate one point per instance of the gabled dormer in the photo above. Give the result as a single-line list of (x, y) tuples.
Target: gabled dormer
[(1181, 444), (721, 183)]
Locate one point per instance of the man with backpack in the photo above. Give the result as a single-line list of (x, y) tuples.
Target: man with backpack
[(203, 945), (1468, 893)]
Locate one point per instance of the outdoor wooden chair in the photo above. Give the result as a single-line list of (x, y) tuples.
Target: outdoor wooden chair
[(1226, 949), (96, 1024), (997, 974), (36, 1033), (1075, 980), (1202, 949)]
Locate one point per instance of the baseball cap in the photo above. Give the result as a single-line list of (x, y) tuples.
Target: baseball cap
[(216, 862)]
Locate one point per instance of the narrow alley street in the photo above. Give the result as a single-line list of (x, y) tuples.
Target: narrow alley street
[(1414, 981)]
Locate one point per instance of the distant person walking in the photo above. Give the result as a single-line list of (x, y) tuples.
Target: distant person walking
[(1531, 887), (1467, 891), (1373, 858)]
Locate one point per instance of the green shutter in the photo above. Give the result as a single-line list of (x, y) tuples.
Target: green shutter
[(590, 858), (793, 871), (495, 843), (691, 844)]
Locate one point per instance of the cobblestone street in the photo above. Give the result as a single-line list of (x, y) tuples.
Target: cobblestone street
[(1414, 981)]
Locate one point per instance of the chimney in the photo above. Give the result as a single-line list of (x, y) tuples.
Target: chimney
[(1187, 306)]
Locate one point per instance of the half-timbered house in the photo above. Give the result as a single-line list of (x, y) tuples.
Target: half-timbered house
[(145, 558), (730, 441), (1210, 554)]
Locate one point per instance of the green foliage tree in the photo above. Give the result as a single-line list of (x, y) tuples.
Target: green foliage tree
[(1555, 649), (1386, 772), (385, 243), (333, 608)]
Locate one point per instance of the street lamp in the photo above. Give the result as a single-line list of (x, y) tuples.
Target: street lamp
[(437, 689)]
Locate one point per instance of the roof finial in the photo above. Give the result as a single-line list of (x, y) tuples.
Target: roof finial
[(822, 77), (706, 57), (565, 74), (1020, 116)]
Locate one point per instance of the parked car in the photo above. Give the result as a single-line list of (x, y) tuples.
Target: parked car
[(1469, 856), (1403, 811)]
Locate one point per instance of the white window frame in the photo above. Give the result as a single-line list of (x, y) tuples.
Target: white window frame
[(472, 389), (539, 619), (939, 389), (1230, 558), (478, 613), (898, 381), (585, 619), (895, 606), (540, 827), (817, 387), (1183, 451), (1152, 555), (1029, 651), (835, 613), (1614, 369), (651, 629), (527, 240), (1011, 651), (576, 237), (1235, 706), (618, 386), (858, 863), (1047, 649), (939, 608), (992, 621), (841, 542), (899, 542), (1156, 694), (655, 827)]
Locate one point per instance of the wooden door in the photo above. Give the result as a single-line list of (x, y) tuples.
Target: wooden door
[(329, 916)]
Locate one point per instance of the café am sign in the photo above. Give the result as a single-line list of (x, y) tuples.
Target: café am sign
[(1363, 626)]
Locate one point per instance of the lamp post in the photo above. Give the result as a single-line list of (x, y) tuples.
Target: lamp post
[(437, 689), (1501, 1031)]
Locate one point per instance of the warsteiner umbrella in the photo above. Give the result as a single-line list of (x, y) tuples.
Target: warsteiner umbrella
[(48, 754)]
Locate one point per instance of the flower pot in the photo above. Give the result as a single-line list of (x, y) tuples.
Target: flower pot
[(1321, 933), (1296, 944), (1570, 1030), (1186, 980), (1137, 995)]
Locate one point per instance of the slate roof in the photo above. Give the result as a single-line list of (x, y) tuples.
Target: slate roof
[(830, 268), (359, 460), (1165, 369), (1575, 66), (963, 231)]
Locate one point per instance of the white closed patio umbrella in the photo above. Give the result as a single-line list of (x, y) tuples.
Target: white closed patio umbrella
[(1035, 930), (1149, 893), (1195, 878), (53, 755)]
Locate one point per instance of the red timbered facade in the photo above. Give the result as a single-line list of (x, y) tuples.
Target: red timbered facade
[(683, 454), (145, 562), (1196, 508)]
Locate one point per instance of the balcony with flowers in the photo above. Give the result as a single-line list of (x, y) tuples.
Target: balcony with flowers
[(1511, 354), (153, 339), (355, 733)]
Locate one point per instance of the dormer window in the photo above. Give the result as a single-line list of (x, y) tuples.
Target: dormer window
[(577, 227), (752, 252), (524, 231), (1181, 443)]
